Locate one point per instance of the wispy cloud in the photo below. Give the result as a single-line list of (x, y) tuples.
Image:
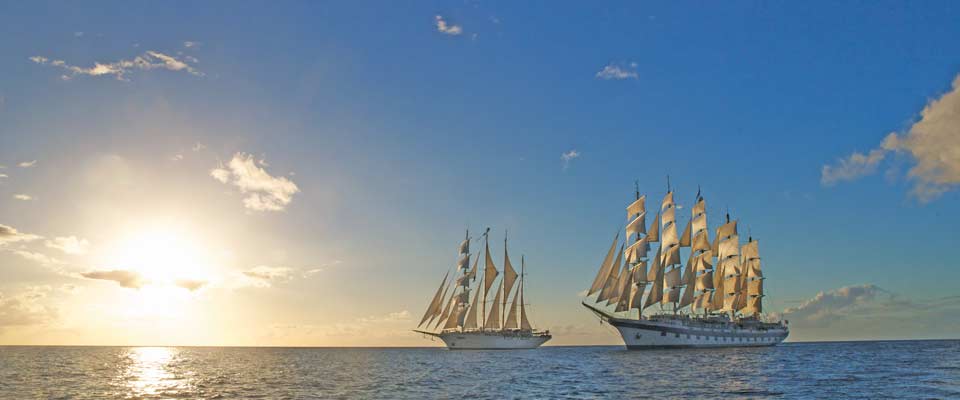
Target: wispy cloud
[(568, 157), (445, 28), (618, 72), (9, 234), (190, 44), (27, 164), (191, 284), (69, 244), (933, 143), (39, 258), (198, 147), (26, 308), (120, 69), (23, 197), (263, 191), (127, 279)]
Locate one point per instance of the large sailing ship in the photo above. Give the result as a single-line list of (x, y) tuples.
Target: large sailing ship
[(465, 324), (715, 299)]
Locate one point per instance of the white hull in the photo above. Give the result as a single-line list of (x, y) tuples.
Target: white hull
[(682, 332), (492, 340)]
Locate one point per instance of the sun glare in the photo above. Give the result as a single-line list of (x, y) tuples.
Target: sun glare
[(162, 255)]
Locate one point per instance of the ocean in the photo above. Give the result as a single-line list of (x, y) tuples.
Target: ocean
[(836, 370)]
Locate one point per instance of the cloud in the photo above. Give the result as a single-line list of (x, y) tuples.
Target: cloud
[(127, 279), (22, 197), (568, 157), (3, 176), (27, 164), (189, 44), (24, 309), (190, 284), (69, 244), (120, 69), (78, 34), (617, 72), (263, 191), (852, 167), (933, 144), (443, 27), (265, 276), (176, 157), (39, 258), (321, 268), (198, 147), (9, 234), (867, 311)]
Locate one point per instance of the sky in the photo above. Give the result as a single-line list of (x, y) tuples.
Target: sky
[(300, 174)]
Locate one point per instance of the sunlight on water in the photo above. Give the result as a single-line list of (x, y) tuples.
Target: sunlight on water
[(149, 371)]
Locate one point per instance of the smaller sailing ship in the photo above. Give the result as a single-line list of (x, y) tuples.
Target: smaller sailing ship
[(716, 301), (464, 323)]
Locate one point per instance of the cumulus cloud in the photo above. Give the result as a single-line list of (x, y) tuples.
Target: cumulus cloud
[(22, 197), (869, 312), (933, 144), (9, 234), (262, 191), (120, 69), (27, 164), (445, 28), (568, 157), (618, 72), (127, 279), (69, 244), (190, 284)]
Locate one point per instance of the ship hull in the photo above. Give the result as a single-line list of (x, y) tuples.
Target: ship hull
[(647, 334), (492, 340), (677, 332)]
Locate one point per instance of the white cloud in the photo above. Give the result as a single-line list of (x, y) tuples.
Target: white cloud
[(9, 234), (22, 197), (933, 143), (69, 244), (198, 147), (321, 268), (78, 34), (264, 276), (120, 69), (39, 258), (445, 28), (127, 279), (568, 157), (263, 191), (189, 44), (191, 284), (176, 157), (3, 175), (25, 308), (867, 311), (27, 164), (613, 71)]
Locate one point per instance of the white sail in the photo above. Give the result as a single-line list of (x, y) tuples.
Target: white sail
[(473, 271), (750, 250), (463, 262), (465, 246), (434, 308), (727, 229), (685, 236), (699, 208), (524, 322), (754, 306), (623, 293), (668, 216), (672, 278), (702, 301), (605, 268), (656, 276), (493, 320), (667, 201), (451, 305), (700, 242), (490, 271), (637, 207), (610, 286), (755, 287), (705, 281), (671, 296), (511, 321), (729, 247), (637, 250), (509, 274), (672, 256), (640, 272), (637, 225), (471, 321), (653, 234)]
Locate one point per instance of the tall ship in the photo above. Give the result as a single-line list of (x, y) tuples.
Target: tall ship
[(714, 299), (465, 319)]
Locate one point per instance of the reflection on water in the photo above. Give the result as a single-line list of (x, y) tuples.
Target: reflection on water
[(872, 370), (149, 372)]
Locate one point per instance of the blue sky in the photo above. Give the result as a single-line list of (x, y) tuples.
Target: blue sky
[(399, 135)]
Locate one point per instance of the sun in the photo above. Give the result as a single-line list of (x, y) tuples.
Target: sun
[(162, 255)]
